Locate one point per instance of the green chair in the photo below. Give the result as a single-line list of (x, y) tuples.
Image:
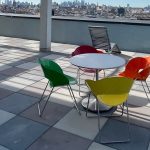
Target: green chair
[(112, 92), (56, 77)]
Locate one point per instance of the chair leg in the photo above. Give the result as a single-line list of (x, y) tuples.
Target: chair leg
[(74, 99), (128, 122), (88, 104), (42, 98), (78, 77), (41, 112), (94, 76), (148, 89), (145, 90), (116, 141), (99, 125), (104, 73), (147, 86), (122, 108)]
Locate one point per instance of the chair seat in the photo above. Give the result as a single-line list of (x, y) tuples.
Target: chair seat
[(72, 80)]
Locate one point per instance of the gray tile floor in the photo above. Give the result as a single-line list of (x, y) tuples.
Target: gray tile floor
[(61, 127)]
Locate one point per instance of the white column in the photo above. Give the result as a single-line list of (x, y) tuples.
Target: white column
[(45, 25)]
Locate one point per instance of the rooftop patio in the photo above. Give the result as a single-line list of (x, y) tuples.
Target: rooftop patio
[(60, 128)]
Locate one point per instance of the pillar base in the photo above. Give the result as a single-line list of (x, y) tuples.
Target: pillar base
[(45, 49)]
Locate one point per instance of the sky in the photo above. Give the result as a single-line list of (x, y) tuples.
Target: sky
[(132, 3)]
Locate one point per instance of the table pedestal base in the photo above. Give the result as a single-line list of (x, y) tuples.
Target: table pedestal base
[(93, 106)]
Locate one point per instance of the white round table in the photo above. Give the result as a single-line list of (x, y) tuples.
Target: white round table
[(97, 62)]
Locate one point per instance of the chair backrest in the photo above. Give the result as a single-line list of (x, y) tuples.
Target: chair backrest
[(147, 58), (111, 91), (143, 75), (53, 72), (135, 65), (85, 49), (99, 36)]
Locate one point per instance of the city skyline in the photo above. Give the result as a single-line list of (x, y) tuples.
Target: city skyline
[(123, 3)]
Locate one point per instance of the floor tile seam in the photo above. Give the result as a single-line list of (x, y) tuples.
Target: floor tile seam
[(36, 104), (18, 83), (17, 75), (35, 88), (19, 112), (5, 147), (136, 114), (42, 123), (24, 109), (72, 134), (38, 138), (9, 77), (14, 67), (8, 95), (8, 121), (33, 121), (23, 116), (139, 116), (148, 144), (26, 70), (129, 122), (34, 74)]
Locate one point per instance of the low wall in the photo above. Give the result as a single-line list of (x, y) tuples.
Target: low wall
[(130, 36)]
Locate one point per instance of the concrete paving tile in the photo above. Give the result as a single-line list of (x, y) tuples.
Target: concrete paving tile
[(12, 86), (5, 116), (12, 71), (96, 146), (80, 125), (21, 80), (34, 92), (28, 65), (41, 85), (4, 67), (63, 64), (31, 76), (3, 148), (149, 147), (5, 93), (63, 99), (52, 57), (18, 133), (17, 103), (36, 72), (14, 62), (140, 137), (56, 139), (52, 113)]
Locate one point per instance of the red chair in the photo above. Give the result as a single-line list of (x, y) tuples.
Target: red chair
[(83, 49), (138, 68)]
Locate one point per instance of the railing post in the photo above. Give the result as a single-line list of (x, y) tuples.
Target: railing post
[(45, 25)]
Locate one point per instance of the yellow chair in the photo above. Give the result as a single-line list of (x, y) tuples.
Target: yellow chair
[(112, 92)]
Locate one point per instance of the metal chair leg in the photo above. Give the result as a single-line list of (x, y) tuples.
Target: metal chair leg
[(41, 112), (147, 86), (42, 98), (99, 125), (104, 73), (88, 104), (74, 99), (78, 77), (145, 90), (94, 76), (128, 122), (117, 141)]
